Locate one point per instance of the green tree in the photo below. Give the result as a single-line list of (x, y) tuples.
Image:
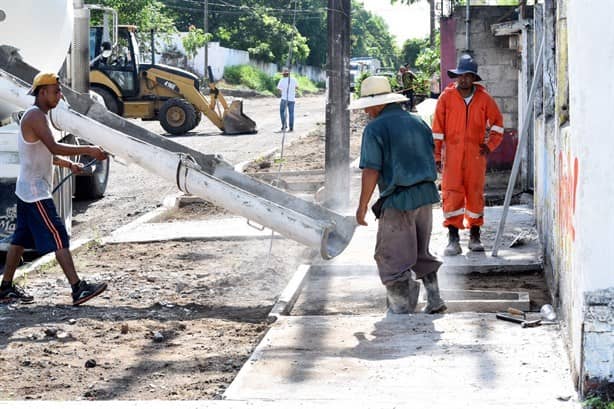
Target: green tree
[(370, 37), (265, 28), (194, 40), (412, 48), (262, 27), (145, 14)]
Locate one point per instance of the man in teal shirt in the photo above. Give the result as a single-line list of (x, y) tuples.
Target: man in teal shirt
[(397, 156)]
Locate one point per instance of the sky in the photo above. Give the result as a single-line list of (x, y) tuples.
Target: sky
[(404, 21)]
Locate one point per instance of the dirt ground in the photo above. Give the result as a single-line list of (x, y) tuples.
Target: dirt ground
[(178, 320)]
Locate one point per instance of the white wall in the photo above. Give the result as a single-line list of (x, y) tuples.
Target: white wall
[(574, 193), (219, 57), (591, 59)]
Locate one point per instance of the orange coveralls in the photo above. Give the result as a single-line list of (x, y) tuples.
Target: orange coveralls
[(458, 130)]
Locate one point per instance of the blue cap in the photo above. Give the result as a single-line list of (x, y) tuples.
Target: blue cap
[(465, 65)]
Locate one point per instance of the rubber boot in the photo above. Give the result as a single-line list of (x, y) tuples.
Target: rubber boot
[(402, 296), (453, 248), (414, 293), (474, 239), (397, 297), (434, 303)]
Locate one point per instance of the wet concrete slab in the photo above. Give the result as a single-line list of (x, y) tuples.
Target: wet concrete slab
[(355, 290), (419, 360)]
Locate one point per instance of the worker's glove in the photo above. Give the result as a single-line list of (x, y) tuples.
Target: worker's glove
[(438, 166), (484, 149)]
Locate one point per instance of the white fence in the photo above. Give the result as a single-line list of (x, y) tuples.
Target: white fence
[(219, 57)]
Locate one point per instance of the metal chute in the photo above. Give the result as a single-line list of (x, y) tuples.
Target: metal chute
[(206, 176)]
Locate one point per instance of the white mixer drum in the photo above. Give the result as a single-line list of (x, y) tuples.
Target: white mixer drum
[(40, 30)]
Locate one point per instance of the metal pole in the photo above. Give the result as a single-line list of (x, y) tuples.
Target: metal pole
[(153, 48), (80, 51), (468, 26), (206, 29), (517, 157), (337, 145)]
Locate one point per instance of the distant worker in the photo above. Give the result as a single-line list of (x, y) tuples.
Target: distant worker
[(435, 86), (464, 113), (38, 224), (287, 86), (397, 156), (407, 79)]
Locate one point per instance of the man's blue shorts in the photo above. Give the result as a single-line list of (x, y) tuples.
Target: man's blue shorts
[(39, 227)]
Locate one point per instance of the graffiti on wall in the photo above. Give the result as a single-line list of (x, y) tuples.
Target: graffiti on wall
[(568, 185)]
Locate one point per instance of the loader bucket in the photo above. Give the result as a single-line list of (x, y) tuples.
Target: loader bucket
[(235, 121)]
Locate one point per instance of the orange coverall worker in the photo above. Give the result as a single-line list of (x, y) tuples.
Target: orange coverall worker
[(458, 130)]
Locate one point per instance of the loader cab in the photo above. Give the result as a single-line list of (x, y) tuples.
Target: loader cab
[(122, 66)]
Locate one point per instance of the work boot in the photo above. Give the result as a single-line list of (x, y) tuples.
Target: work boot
[(402, 296), (453, 248), (474, 239), (414, 293), (434, 303), (397, 297)]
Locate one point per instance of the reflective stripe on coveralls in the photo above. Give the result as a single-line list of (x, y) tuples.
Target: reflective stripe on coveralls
[(463, 127), (453, 213)]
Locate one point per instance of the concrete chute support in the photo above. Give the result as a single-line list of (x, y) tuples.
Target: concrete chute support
[(299, 220)]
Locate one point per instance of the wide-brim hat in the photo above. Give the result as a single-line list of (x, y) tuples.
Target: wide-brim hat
[(466, 65), (43, 78), (375, 90)]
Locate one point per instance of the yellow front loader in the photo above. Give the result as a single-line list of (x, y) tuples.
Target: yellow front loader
[(155, 91)]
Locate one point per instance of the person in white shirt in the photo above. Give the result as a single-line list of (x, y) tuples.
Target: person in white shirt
[(287, 87), (38, 224)]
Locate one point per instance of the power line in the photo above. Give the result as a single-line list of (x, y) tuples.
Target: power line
[(243, 8)]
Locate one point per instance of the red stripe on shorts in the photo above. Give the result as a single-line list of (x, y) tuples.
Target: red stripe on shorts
[(50, 226)]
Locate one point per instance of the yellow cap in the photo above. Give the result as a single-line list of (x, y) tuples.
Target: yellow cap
[(43, 78)]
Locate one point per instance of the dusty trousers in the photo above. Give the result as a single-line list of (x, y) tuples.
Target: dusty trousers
[(403, 238)]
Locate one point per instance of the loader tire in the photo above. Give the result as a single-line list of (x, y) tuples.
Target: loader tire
[(109, 99), (177, 116)]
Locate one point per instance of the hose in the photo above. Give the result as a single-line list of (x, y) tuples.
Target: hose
[(87, 165)]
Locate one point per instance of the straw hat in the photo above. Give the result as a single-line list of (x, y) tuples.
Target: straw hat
[(375, 90)]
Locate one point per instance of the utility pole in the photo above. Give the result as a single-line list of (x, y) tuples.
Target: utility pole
[(337, 145), (206, 29), (432, 20)]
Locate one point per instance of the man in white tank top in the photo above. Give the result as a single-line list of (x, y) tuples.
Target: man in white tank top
[(38, 225)]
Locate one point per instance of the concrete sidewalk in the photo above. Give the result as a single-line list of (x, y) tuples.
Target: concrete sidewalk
[(347, 350), (334, 345)]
